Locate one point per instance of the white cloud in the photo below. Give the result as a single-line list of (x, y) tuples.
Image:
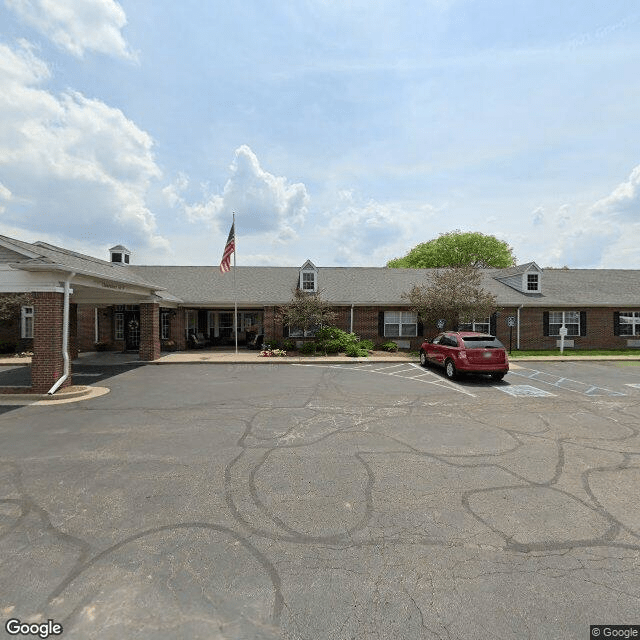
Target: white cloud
[(372, 233), (71, 161), (77, 25), (5, 196), (263, 203), (605, 234)]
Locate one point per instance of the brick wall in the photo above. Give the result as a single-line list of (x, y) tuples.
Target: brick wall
[(149, 331), (599, 330), (85, 326), (48, 364), (178, 326)]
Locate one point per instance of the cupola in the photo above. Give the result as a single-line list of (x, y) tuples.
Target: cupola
[(120, 254)]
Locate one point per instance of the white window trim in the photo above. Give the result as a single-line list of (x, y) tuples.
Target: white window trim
[(118, 325), (634, 324), (565, 324), (412, 320), (26, 328), (477, 325), (526, 282), (165, 325), (314, 275)]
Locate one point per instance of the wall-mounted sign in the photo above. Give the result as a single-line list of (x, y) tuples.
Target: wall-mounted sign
[(110, 285)]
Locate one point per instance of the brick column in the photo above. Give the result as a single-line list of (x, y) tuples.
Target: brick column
[(178, 329), (47, 364), (73, 331), (149, 331)]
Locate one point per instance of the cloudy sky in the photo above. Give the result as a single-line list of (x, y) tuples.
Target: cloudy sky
[(343, 131)]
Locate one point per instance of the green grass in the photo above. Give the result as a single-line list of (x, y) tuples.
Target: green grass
[(576, 352)]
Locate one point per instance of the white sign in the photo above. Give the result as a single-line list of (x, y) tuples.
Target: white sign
[(440, 324), (511, 321)]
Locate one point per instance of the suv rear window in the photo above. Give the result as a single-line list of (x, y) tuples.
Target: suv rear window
[(482, 342)]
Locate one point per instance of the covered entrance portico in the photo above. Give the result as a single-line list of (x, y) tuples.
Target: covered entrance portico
[(216, 325), (57, 282)]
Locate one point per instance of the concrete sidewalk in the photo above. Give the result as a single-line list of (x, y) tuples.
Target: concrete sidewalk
[(244, 356)]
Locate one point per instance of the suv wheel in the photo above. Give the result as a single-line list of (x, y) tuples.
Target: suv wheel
[(450, 370), (497, 376), (423, 359)]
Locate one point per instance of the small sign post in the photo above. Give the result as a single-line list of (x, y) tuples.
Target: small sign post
[(440, 324), (511, 322), (563, 333)]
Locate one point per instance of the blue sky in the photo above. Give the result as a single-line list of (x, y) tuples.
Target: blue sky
[(345, 131)]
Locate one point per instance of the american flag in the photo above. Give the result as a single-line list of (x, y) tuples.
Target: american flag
[(229, 248)]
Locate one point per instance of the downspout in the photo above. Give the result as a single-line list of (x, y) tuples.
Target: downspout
[(518, 331), (96, 326), (65, 337), (351, 320)]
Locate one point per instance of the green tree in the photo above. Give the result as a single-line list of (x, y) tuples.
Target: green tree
[(458, 249), (454, 295), (306, 311)]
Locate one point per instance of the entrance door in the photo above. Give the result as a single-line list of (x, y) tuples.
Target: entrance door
[(225, 326), (132, 329)]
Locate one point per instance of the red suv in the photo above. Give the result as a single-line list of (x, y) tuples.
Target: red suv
[(466, 352)]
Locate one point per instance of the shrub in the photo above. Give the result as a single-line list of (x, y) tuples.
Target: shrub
[(289, 345), (366, 344), (389, 346), (308, 348), (355, 351), (334, 340), (332, 346)]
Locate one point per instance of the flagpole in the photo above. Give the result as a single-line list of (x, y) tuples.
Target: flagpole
[(235, 291)]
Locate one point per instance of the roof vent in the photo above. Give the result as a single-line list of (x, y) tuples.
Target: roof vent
[(120, 254)]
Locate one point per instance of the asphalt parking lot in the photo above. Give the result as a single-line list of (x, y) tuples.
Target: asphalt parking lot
[(345, 501)]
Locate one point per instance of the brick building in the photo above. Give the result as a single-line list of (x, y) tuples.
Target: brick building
[(118, 305)]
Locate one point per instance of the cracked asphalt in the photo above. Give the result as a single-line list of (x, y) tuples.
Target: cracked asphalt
[(351, 501)]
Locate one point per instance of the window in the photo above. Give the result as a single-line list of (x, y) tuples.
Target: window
[(164, 325), (26, 317), (399, 324), (481, 326), (570, 319), (308, 281), (629, 323), (294, 332), (118, 324), (533, 282)]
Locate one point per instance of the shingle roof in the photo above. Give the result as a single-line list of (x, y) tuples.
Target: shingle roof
[(206, 286), (260, 286), (48, 254)]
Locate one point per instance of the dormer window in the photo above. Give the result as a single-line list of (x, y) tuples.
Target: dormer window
[(533, 282), (308, 281), (308, 277)]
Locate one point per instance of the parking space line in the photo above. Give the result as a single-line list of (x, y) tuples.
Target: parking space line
[(388, 370), (567, 384), (446, 382)]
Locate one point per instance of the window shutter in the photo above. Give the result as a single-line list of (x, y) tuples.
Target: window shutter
[(545, 323), (420, 329), (616, 323), (381, 323), (285, 330), (583, 323), (493, 322)]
